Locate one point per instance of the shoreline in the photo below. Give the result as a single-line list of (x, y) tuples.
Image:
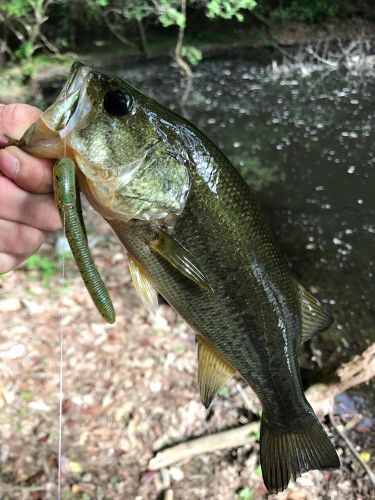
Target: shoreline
[(265, 45)]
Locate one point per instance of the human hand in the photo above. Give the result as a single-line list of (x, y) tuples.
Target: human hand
[(27, 207)]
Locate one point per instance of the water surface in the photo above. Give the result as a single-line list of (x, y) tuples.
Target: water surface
[(306, 145)]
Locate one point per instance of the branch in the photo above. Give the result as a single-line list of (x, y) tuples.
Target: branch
[(316, 56), (349, 444), (50, 46), (207, 444), (183, 65), (114, 27)]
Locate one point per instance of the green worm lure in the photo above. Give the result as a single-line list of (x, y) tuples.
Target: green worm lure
[(68, 202)]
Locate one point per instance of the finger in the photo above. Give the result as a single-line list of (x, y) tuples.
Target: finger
[(9, 262), (15, 119), (18, 240), (29, 173), (36, 210)]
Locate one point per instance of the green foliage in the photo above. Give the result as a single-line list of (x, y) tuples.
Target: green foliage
[(227, 9), (191, 54), (42, 264), (306, 10), (245, 494), (26, 396), (31, 25), (24, 52), (169, 15), (24, 19), (84, 496), (179, 349), (224, 392), (137, 9), (16, 8)]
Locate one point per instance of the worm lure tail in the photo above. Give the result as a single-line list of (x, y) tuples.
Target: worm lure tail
[(68, 202)]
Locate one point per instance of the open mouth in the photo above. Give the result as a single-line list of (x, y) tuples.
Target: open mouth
[(71, 104), (47, 137)]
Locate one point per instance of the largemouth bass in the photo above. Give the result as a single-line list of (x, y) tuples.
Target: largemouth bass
[(196, 235)]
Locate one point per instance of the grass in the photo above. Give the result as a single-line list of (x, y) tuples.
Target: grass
[(245, 494), (224, 392), (43, 265)]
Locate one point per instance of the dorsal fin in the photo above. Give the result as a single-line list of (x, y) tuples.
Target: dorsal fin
[(180, 258), (315, 316), (213, 371), (143, 286)]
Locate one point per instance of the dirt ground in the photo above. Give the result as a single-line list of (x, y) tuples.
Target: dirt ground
[(129, 390)]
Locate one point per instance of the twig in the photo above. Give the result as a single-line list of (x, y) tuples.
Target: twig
[(116, 25), (349, 444), (328, 62), (7, 488), (247, 434), (248, 402)]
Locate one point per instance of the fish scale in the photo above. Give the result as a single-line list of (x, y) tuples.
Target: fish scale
[(231, 308), (196, 234)]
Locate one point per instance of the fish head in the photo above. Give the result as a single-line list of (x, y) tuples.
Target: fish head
[(95, 117), (112, 132)]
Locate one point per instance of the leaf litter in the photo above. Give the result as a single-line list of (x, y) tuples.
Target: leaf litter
[(129, 390)]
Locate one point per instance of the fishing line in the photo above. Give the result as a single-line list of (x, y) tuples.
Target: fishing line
[(61, 374), (61, 387)]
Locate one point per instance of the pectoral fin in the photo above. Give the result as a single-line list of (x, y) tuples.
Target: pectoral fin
[(180, 258), (213, 371), (143, 286), (315, 316)]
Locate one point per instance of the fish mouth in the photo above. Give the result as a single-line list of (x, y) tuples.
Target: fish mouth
[(48, 136), (71, 104)]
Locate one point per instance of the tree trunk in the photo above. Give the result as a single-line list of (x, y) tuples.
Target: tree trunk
[(143, 38), (182, 64)]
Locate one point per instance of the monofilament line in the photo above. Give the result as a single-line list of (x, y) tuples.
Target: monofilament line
[(61, 386)]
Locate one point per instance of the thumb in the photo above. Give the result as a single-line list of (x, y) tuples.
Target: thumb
[(15, 119)]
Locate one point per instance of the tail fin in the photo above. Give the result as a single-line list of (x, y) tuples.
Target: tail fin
[(287, 455)]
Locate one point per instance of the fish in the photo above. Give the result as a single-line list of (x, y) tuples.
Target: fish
[(196, 235)]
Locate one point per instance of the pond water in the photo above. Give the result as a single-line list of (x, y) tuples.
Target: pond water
[(304, 143)]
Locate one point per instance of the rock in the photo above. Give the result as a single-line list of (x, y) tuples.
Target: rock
[(9, 350), (176, 474), (39, 405), (10, 305), (298, 495), (155, 386)]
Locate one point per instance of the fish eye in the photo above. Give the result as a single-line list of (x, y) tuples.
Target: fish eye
[(117, 103)]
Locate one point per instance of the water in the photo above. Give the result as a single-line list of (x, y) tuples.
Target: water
[(305, 144)]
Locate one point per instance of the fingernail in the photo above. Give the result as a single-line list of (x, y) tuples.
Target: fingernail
[(9, 165)]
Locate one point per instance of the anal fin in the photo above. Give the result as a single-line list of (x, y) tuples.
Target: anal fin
[(315, 316), (180, 258), (213, 371), (143, 286)]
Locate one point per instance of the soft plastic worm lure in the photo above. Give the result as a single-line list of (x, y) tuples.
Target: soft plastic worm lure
[(68, 202)]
